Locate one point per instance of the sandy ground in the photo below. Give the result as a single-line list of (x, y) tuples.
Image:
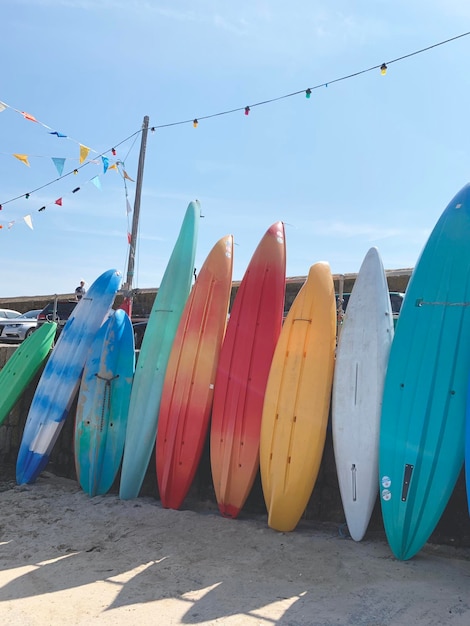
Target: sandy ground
[(69, 559)]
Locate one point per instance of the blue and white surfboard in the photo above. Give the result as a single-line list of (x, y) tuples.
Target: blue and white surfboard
[(60, 379)]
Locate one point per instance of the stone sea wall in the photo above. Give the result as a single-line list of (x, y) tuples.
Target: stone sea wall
[(143, 298)]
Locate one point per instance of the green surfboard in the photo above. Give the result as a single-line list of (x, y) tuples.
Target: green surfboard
[(21, 367)]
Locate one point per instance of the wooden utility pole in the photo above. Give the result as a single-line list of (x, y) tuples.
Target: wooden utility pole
[(127, 303)]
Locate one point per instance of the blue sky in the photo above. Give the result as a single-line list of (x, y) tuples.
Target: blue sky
[(369, 161)]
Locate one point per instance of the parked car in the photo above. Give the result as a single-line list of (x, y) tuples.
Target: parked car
[(20, 328), (57, 311), (6, 315), (139, 330), (396, 300), (9, 313)]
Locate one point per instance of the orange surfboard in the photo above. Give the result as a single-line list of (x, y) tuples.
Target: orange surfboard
[(244, 362), (297, 401), (189, 380)]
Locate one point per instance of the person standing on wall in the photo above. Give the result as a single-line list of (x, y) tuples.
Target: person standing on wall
[(80, 291)]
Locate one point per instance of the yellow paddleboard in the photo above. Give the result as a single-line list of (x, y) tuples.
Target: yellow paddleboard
[(297, 401)]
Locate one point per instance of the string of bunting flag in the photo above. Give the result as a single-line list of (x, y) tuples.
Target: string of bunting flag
[(85, 150), (96, 180), (59, 162)]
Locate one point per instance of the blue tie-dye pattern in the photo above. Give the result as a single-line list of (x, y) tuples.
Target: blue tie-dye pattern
[(61, 376)]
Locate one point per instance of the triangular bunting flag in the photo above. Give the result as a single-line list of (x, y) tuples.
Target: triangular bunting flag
[(96, 181), (112, 167), (29, 117), (128, 207), (59, 164), (23, 158), (2, 106), (83, 152), (126, 175), (105, 164), (10, 224), (28, 221), (58, 201)]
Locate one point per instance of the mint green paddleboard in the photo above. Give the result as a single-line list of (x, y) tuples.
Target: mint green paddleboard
[(422, 432), (23, 364), (154, 354)]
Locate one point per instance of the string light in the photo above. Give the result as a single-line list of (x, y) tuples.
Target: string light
[(325, 84), (27, 196), (383, 68)]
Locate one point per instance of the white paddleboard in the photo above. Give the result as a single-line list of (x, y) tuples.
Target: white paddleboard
[(361, 363)]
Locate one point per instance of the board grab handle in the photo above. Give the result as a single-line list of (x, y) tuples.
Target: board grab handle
[(353, 478), (406, 481), (420, 302)]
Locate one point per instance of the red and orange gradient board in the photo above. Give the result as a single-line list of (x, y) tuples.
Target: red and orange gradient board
[(188, 387)]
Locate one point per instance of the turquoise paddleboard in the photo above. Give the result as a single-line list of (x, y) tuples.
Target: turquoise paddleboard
[(103, 403), (422, 433), (467, 449), (23, 364), (154, 354), (60, 379)]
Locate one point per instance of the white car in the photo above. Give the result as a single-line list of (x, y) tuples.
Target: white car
[(19, 328), (8, 314)]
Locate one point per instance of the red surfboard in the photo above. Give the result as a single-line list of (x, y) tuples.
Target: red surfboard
[(252, 333), (188, 387)]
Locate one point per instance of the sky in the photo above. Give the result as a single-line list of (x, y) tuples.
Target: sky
[(367, 161)]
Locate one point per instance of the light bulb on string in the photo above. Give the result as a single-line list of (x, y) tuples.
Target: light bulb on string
[(308, 93), (27, 196), (195, 123), (247, 110), (383, 69), (113, 151), (75, 172)]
